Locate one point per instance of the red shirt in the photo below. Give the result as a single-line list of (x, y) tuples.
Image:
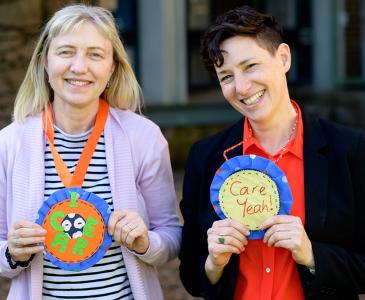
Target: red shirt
[(268, 272)]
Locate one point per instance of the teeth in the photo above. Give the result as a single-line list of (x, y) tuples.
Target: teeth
[(78, 82), (253, 99)]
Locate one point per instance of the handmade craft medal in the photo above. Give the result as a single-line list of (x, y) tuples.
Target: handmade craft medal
[(76, 223), (251, 189), (76, 220)]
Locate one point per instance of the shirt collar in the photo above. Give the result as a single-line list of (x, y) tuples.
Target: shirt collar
[(295, 147)]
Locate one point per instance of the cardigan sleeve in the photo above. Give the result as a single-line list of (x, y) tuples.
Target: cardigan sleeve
[(5, 140), (156, 186)]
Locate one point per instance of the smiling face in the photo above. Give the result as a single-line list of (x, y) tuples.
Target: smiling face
[(253, 80), (79, 65)]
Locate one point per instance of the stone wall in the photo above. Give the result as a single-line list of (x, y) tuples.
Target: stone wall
[(20, 24)]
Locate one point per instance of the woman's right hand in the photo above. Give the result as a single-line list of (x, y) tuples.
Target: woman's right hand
[(225, 237), (23, 239)]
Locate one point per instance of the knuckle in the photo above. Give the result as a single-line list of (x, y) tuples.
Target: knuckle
[(132, 235), (15, 252), (215, 224), (118, 226), (297, 220)]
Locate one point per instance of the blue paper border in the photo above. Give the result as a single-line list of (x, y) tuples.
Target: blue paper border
[(100, 204), (258, 163)]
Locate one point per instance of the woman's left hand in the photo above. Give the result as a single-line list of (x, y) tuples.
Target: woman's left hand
[(128, 228), (288, 232)]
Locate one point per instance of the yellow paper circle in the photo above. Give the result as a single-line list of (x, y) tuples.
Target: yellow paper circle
[(250, 197)]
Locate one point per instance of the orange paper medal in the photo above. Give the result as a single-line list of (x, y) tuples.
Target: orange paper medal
[(76, 220), (76, 223)]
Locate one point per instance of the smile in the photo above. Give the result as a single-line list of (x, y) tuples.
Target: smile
[(77, 82), (253, 99)]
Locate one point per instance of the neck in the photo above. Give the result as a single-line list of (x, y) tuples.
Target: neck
[(74, 120), (274, 134)]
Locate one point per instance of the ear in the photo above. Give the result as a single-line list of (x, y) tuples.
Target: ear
[(283, 53)]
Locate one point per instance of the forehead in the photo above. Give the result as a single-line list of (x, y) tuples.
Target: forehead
[(86, 34), (239, 50), (242, 45)]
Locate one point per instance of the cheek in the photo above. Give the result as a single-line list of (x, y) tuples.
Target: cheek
[(103, 72), (228, 91), (55, 69)]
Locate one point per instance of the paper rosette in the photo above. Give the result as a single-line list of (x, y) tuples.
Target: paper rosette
[(250, 188), (76, 222)]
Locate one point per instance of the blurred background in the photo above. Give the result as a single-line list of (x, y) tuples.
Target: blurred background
[(327, 39)]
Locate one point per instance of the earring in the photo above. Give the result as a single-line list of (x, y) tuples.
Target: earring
[(108, 84)]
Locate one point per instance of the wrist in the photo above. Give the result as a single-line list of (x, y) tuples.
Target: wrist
[(13, 263), (212, 271), (211, 266)]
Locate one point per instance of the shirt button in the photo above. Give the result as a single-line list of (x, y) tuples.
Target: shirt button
[(267, 270)]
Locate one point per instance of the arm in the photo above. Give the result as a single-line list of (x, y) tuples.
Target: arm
[(5, 269), (151, 216), (156, 186), (342, 264), (20, 237), (194, 250), (197, 271)]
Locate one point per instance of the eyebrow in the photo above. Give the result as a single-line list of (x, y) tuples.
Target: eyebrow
[(242, 63), (89, 48)]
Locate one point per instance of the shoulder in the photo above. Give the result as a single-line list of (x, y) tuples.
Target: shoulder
[(133, 122), (141, 133), (337, 130), (11, 134), (15, 134), (336, 136), (17, 127)]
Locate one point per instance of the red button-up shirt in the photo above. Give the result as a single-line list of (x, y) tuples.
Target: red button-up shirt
[(269, 272)]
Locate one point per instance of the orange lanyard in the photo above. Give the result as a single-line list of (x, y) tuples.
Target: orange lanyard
[(78, 177)]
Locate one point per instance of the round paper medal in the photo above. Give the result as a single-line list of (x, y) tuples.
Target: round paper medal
[(76, 223), (250, 189)]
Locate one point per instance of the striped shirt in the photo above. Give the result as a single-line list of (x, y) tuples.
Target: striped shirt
[(107, 279)]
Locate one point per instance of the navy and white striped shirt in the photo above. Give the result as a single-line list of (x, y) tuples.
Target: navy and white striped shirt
[(108, 279)]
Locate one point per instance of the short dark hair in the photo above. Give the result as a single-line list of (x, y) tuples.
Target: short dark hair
[(242, 21)]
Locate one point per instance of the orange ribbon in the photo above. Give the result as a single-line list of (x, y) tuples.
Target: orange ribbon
[(77, 179)]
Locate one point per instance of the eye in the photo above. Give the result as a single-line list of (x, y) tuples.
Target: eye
[(95, 55), (250, 66), (65, 53), (226, 78)]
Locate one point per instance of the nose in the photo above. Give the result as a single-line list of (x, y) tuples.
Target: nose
[(78, 64), (242, 84)]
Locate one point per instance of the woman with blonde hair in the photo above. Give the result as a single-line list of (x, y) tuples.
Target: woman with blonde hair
[(79, 96)]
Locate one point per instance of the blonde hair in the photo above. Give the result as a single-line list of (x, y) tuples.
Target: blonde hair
[(35, 93)]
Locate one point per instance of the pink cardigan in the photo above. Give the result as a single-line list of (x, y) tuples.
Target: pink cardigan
[(141, 179)]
